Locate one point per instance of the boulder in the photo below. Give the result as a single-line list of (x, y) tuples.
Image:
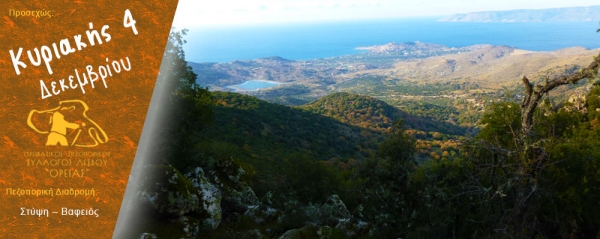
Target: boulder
[(237, 195), (167, 191), (353, 227), (333, 211), (337, 207), (262, 214), (209, 210), (189, 226)]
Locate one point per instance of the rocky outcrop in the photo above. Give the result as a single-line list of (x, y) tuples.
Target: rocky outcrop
[(198, 202), (231, 179), (188, 204), (190, 226), (578, 102), (329, 220), (168, 192), (209, 209), (262, 214), (336, 208), (353, 227)]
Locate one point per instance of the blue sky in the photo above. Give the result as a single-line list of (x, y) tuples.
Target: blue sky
[(196, 13)]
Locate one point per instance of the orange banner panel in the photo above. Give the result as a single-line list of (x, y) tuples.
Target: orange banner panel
[(76, 81)]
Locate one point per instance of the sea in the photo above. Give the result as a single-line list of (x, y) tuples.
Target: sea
[(306, 41)]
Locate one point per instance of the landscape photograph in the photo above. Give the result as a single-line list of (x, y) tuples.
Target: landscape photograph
[(373, 119)]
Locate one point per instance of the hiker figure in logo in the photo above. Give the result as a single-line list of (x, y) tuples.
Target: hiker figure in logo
[(63, 125), (58, 132)]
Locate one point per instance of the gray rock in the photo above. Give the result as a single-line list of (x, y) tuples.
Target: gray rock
[(190, 226), (262, 214), (167, 191), (339, 207), (209, 209), (237, 195), (353, 227), (332, 212)]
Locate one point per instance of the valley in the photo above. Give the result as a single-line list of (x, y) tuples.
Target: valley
[(338, 110), (412, 76)]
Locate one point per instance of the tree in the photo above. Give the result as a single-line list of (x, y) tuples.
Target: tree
[(534, 93), (386, 184), (501, 125), (399, 147), (174, 71), (179, 109), (518, 166)]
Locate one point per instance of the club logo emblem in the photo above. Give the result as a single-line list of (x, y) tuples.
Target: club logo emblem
[(64, 125)]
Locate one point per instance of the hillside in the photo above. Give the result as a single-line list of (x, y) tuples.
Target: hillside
[(490, 67), (453, 169), (335, 128), (591, 13), (372, 113), (265, 127), (266, 135)]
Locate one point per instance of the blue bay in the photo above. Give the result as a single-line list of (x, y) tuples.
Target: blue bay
[(254, 85)]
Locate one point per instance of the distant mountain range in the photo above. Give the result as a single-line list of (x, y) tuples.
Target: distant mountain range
[(591, 13)]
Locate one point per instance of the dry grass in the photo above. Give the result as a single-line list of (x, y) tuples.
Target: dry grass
[(491, 67)]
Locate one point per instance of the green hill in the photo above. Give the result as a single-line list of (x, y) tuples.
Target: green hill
[(242, 119), (267, 135), (371, 113), (340, 129)]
